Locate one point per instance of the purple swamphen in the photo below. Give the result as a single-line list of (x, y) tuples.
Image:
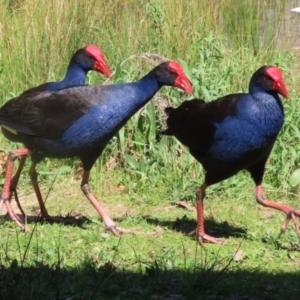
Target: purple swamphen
[(79, 122), (233, 133), (83, 60)]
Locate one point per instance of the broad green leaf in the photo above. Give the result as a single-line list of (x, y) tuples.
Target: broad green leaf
[(131, 161), (295, 178)]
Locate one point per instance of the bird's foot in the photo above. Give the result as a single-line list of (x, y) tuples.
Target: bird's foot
[(14, 217), (118, 230), (291, 215), (13, 191), (211, 239), (202, 236)]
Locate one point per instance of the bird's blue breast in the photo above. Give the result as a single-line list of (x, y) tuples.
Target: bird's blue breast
[(254, 127), (93, 128), (94, 125)]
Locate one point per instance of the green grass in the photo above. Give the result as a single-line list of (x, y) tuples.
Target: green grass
[(83, 261), (140, 174)]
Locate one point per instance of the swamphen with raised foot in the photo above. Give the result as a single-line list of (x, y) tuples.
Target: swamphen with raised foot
[(233, 133), (80, 121), (83, 60)]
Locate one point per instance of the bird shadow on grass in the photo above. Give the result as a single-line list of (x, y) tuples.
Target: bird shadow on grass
[(68, 220), (186, 225)]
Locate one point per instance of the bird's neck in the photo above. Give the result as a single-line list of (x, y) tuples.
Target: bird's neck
[(124, 100), (271, 101), (139, 92), (75, 76), (262, 109), (255, 90), (148, 86)]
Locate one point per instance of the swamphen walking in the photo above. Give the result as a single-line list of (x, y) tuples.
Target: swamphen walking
[(83, 60), (233, 133), (80, 121)]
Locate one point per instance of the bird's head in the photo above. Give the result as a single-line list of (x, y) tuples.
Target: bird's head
[(91, 58), (171, 73), (270, 79)]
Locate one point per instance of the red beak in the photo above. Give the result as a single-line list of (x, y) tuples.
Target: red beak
[(102, 67), (280, 88), (183, 83)]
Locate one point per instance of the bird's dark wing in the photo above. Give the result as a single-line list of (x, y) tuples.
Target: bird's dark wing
[(41, 88), (46, 114), (193, 122)]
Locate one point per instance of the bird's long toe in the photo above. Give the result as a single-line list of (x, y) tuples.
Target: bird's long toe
[(210, 239), (290, 212), (294, 219), (205, 237), (14, 191), (291, 216), (14, 217)]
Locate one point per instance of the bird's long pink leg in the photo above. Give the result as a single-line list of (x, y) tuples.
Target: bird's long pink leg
[(109, 223), (14, 182), (200, 194), (291, 213), (33, 176), (6, 192)]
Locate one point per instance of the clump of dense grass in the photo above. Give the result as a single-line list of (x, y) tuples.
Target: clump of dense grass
[(220, 44)]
